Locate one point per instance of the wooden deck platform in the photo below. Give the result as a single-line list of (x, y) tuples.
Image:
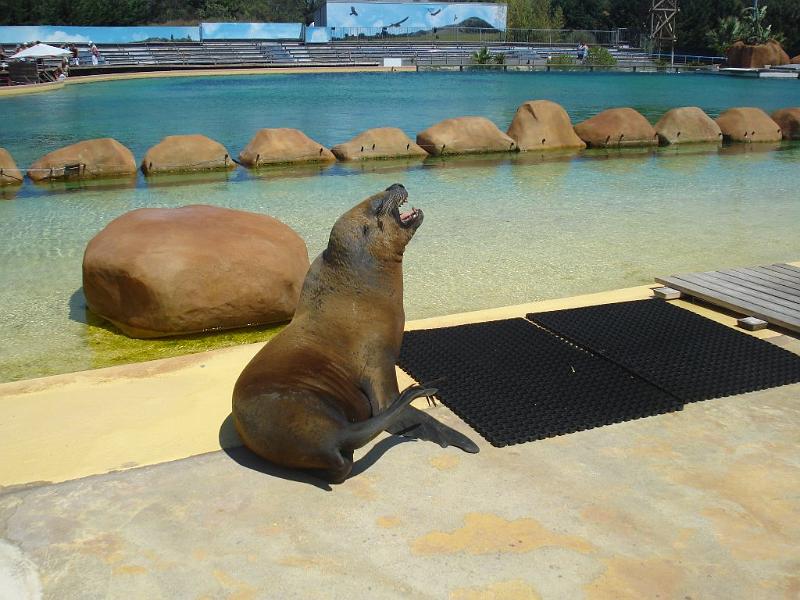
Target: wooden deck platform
[(770, 292)]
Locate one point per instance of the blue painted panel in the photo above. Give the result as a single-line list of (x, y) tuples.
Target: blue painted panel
[(400, 17), (100, 35), (252, 31), (317, 35)]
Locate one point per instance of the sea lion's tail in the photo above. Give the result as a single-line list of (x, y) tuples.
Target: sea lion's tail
[(358, 434)]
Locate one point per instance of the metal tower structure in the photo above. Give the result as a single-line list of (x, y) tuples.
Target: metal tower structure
[(663, 18)]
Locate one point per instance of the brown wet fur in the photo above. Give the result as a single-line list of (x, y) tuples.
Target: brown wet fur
[(333, 365)]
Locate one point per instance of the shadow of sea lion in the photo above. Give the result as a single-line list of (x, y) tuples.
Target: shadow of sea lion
[(231, 444)]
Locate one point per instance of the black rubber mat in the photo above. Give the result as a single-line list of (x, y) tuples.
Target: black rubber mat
[(514, 382), (687, 355)]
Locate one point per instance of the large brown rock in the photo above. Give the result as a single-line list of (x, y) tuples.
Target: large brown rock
[(186, 153), (9, 173), (796, 60), (103, 157), (157, 272), (465, 135), (276, 146), (789, 121), (382, 142), (748, 125), (543, 125), (687, 125), (617, 127), (745, 56)]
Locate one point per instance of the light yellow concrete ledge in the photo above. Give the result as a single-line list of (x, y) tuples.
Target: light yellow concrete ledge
[(17, 90), (78, 424)]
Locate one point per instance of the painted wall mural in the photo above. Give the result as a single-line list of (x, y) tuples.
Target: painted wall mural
[(17, 34), (398, 17), (127, 35), (252, 31)]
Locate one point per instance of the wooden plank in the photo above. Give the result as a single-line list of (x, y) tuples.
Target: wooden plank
[(768, 279), (788, 267), (781, 297), (784, 273), (757, 299), (737, 301), (733, 304)]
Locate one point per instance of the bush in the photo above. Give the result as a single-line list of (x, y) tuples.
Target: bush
[(564, 61), (499, 58), (482, 56), (599, 56)]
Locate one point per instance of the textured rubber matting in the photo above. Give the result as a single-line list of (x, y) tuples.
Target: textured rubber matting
[(687, 355), (514, 382)]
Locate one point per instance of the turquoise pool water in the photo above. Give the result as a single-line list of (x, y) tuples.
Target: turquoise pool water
[(497, 231), (331, 108)]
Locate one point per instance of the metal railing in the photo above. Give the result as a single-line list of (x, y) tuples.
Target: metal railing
[(687, 59)]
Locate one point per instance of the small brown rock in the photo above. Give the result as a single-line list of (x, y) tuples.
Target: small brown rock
[(282, 145), (103, 157), (543, 125), (465, 135), (789, 121), (617, 127), (687, 125), (748, 125), (382, 142), (9, 173), (186, 153), (157, 272)]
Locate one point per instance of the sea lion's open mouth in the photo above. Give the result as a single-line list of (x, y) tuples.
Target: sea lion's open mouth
[(408, 218)]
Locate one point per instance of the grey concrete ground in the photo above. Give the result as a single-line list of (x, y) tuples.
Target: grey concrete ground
[(704, 503)]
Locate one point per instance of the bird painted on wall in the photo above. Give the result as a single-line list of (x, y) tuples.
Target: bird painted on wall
[(353, 11), (398, 23), (433, 13)]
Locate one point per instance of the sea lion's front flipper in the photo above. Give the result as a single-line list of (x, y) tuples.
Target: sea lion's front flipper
[(414, 423)]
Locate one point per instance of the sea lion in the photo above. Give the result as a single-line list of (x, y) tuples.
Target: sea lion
[(326, 384)]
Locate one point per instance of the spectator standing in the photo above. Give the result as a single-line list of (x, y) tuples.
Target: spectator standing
[(75, 60), (95, 53)]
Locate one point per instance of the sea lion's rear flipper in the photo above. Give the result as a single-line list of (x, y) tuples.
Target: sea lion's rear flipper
[(415, 423), (357, 434)]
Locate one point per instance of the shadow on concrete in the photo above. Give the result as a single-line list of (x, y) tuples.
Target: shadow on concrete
[(231, 444)]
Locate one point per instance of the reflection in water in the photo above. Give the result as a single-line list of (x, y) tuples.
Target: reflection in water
[(9, 192), (621, 161), (290, 170), (388, 165), (755, 148), (686, 158), (199, 177), (60, 186)]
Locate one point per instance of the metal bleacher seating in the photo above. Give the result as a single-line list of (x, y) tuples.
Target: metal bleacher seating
[(339, 52), (251, 52)]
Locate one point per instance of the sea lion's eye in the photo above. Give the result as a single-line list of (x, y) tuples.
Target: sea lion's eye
[(365, 230), (380, 224)]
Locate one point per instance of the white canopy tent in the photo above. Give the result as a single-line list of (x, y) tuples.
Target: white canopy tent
[(41, 51)]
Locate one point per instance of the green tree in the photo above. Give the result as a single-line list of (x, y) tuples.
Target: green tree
[(534, 14), (586, 14), (726, 33)]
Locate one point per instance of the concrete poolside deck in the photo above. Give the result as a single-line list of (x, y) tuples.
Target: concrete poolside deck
[(115, 486)]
